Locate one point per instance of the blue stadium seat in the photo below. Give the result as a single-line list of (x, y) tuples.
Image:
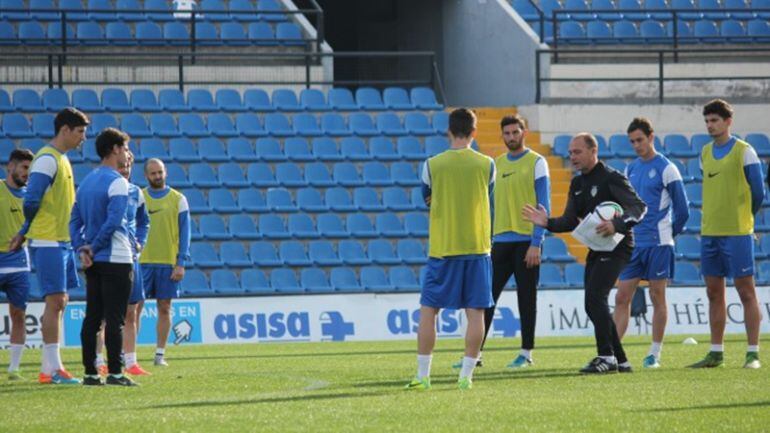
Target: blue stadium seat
[(554, 249), (297, 149), (32, 33), (213, 227), (206, 34), (310, 200), (306, 125), (344, 280), (6, 147), (325, 149), (317, 174), (697, 141), (183, 150), (607, 5), (652, 31), (213, 10), (380, 251), (202, 175), (195, 283), (411, 251), (633, 5), (418, 124), (285, 281), (242, 226), (43, 10), (257, 100), (598, 31), (686, 5), (693, 223), (338, 200), (201, 100), (416, 223), (27, 100), (346, 174), (289, 34), (354, 149), (550, 276), (342, 99), (285, 100), (382, 149), (204, 256), (410, 148), (395, 199), (262, 34), (289, 174), (172, 100), (174, 33), (222, 201), (688, 247), (115, 100), (694, 170), (90, 33), (106, 12), (161, 10), (322, 253), (128, 10), (293, 253), (435, 145), (13, 10), (191, 125), (43, 125), (240, 150), (314, 281), (759, 29), (163, 125), (195, 233), (390, 124), (440, 122), (154, 148), (264, 254), (684, 33), (196, 201), (270, 10), (259, 174), (361, 124), (396, 98), (334, 125), (741, 4), (404, 174), (302, 226), (626, 32), (423, 98), (313, 100), (330, 226), (677, 145), (376, 174), (360, 226), (5, 102), (368, 98), (249, 125), (366, 199), (276, 124), (763, 273), (712, 9), (573, 274), (572, 32), (79, 172), (373, 278), (74, 10), (620, 146), (617, 164), (144, 100), (687, 274), (706, 31), (33, 144), (243, 10), (280, 200), (402, 278), (55, 99), (389, 225), (7, 31), (255, 281), (209, 149), (16, 125), (760, 143), (252, 200), (225, 282), (682, 169), (221, 125), (229, 100), (694, 193)]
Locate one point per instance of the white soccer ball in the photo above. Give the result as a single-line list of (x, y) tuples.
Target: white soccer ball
[(608, 210)]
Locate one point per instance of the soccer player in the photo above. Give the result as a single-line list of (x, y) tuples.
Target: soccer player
[(659, 183), (167, 248), (456, 186), (47, 206), (100, 235), (522, 178), (14, 264), (732, 194), (595, 184)]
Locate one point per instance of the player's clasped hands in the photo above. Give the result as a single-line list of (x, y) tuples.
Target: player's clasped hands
[(86, 256)]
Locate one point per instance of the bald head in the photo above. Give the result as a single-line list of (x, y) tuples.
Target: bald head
[(155, 172)]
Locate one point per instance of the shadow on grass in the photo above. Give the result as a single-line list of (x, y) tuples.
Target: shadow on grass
[(438, 379), (712, 406)]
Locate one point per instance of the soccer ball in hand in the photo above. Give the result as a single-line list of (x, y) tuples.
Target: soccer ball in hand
[(608, 210)]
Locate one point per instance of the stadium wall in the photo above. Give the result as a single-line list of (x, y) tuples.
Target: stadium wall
[(368, 317)]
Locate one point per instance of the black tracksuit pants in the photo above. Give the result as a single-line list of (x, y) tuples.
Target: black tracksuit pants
[(108, 287), (602, 270), (507, 260)]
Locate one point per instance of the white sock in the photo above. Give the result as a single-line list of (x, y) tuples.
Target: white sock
[(610, 359), (159, 352), (130, 358), (423, 365), (99, 360), (655, 349), (753, 349), (51, 358), (469, 363), (717, 347), (624, 364), (16, 350), (526, 353)]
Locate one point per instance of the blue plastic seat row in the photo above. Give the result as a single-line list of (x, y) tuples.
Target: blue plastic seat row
[(637, 10), (311, 280), (149, 33), (324, 225), (335, 199), (286, 174), (704, 31)]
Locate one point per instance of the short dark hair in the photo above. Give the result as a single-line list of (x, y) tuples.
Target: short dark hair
[(513, 119), (109, 138), (19, 155), (70, 117), (641, 123), (720, 107), (588, 139), (462, 122)]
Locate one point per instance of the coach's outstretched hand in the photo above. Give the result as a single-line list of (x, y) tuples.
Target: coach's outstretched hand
[(537, 215)]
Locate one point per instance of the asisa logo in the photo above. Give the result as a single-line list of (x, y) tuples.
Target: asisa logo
[(294, 326), (334, 327), (448, 324)]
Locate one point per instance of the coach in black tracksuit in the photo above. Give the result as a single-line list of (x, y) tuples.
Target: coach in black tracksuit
[(595, 184)]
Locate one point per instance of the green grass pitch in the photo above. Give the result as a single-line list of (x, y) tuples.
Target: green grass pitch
[(357, 386)]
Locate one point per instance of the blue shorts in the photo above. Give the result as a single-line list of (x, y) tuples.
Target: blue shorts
[(458, 283), (157, 282), (650, 263), (56, 269), (727, 256), (137, 292), (16, 287)]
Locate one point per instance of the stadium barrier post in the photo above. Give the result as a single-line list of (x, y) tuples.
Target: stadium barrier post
[(660, 76)]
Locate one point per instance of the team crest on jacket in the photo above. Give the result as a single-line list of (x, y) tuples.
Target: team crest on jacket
[(593, 191), (652, 173)]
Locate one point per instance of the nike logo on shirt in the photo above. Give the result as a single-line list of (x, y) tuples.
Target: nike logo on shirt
[(578, 192), (508, 174), (713, 174), (745, 269), (660, 273), (154, 211)]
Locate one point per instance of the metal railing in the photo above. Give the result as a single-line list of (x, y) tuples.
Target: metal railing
[(662, 56)]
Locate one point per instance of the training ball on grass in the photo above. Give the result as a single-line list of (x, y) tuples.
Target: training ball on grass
[(689, 341), (608, 210)]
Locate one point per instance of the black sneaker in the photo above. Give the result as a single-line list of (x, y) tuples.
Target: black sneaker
[(92, 380), (120, 381), (625, 369), (599, 366)]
